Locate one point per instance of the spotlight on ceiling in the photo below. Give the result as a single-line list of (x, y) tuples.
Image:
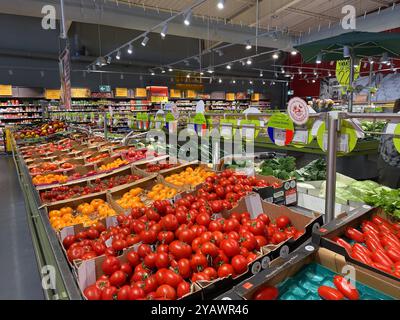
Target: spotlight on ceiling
[(228, 66), (300, 71), (248, 45), (118, 56), (210, 70), (221, 4), (261, 74), (293, 52), (220, 80), (275, 56), (251, 81), (249, 62), (109, 59), (145, 41), (164, 31), (234, 81), (319, 58), (130, 49), (188, 18), (162, 70), (170, 69)]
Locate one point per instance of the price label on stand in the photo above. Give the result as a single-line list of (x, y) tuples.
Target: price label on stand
[(300, 136), (226, 128), (249, 133), (280, 129), (347, 139)]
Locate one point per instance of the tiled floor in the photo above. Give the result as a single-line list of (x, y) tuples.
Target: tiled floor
[(19, 275)]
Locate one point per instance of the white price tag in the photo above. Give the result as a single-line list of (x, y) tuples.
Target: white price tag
[(111, 221), (254, 205), (300, 136), (315, 127), (226, 131), (391, 127), (87, 273), (67, 231), (280, 137), (248, 133), (108, 242), (343, 143)]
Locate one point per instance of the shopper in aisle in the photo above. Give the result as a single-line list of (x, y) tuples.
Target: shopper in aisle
[(389, 159)]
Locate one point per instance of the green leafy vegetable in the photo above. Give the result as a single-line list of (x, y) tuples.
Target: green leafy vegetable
[(388, 200), (314, 171)]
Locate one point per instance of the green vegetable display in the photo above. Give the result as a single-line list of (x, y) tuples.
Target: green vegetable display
[(281, 168), (387, 199), (314, 171), (370, 126)]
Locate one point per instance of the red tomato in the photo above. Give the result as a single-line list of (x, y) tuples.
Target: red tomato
[(180, 249), (92, 293), (251, 257), (126, 268), (266, 293), (261, 241), (148, 236), (203, 219), (282, 222), (257, 227), (162, 260), (144, 250), (217, 237), (109, 293), (230, 247), (239, 264), (234, 235), (184, 268), (264, 218), (170, 222), (136, 293), (211, 273), (162, 248), (354, 234), (220, 259), (380, 257), (123, 293), (198, 262), (150, 284), (102, 283), (150, 260), (182, 289), (328, 293), (278, 237), (187, 236), (166, 291), (248, 241), (68, 241), (166, 237), (171, 278), (199, 276), (110, 265), (133, 258), (346, 288), (225, 270), (118, 278), (231, 225), (209, 249)]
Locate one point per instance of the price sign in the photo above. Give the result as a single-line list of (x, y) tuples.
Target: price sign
[(52, 94), (347, 139), (298, 111), (281, 123), (301, 136), (250, 133), (5, 90), (121, 92)]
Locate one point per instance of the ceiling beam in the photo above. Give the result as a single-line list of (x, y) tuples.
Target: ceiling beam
[(135, 18), (383, 20)]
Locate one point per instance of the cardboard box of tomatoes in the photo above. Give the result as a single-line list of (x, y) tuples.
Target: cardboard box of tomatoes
[(366, 237), (278, 191), (281, 245), (99, 279), (311, 273)]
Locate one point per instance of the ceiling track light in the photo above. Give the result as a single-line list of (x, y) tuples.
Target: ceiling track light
[(118, 55), (346, 52), (234, 81), (293, 52), (283, 71), (220, 53), (145, 40), (162, 70), (315, 72), (275, 56), (170, 69), (248, 45), (319, 58), (261, 74), (210, 70), (164, 31), (228, 66), (188, 18), (220, 80), (249, 62), (263, 82), (109, 59), (201, 73), (385, 58), (130, 49), (221, 4), (300, 71), (251, 81), (188, 76)]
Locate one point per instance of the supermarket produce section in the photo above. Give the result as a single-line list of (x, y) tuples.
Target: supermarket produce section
[(128, 222)]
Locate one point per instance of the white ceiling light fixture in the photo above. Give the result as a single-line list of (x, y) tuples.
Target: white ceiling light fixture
[(221, 4), (220, 80), (186, 62), (145, 40), (275, 56), (273, 83), (319, 58), (188, 18), (210, 70), (346, 52), (283, 71), (315, 72), (293, 52), (122, 76), (164, 31), (251, 81), (261, 74), (170, 69), (130, 49), (201, 73), (329, 74), (249, 62), (313, 81), (300, 71), (248, 45), (228, 66), (188, 76), (234, 81), (263, 82), (109, 59), (385, 58), (118, 55), (162, 70)]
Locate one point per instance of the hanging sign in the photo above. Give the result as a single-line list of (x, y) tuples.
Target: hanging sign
[(343, 73), (140, 93), (5, 90), (65, 76), (52, 94), (298, 111), (175, 94), (230, 96), (121, 92), (347, 139), (280, 129)]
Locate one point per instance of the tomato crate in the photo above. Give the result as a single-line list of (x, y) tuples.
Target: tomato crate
[(299, 275), (170, 163), (335, 236), (279, 191), (253, 204), (90, 270)]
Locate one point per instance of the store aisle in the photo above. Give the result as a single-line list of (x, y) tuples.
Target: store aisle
[(19, 276)]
